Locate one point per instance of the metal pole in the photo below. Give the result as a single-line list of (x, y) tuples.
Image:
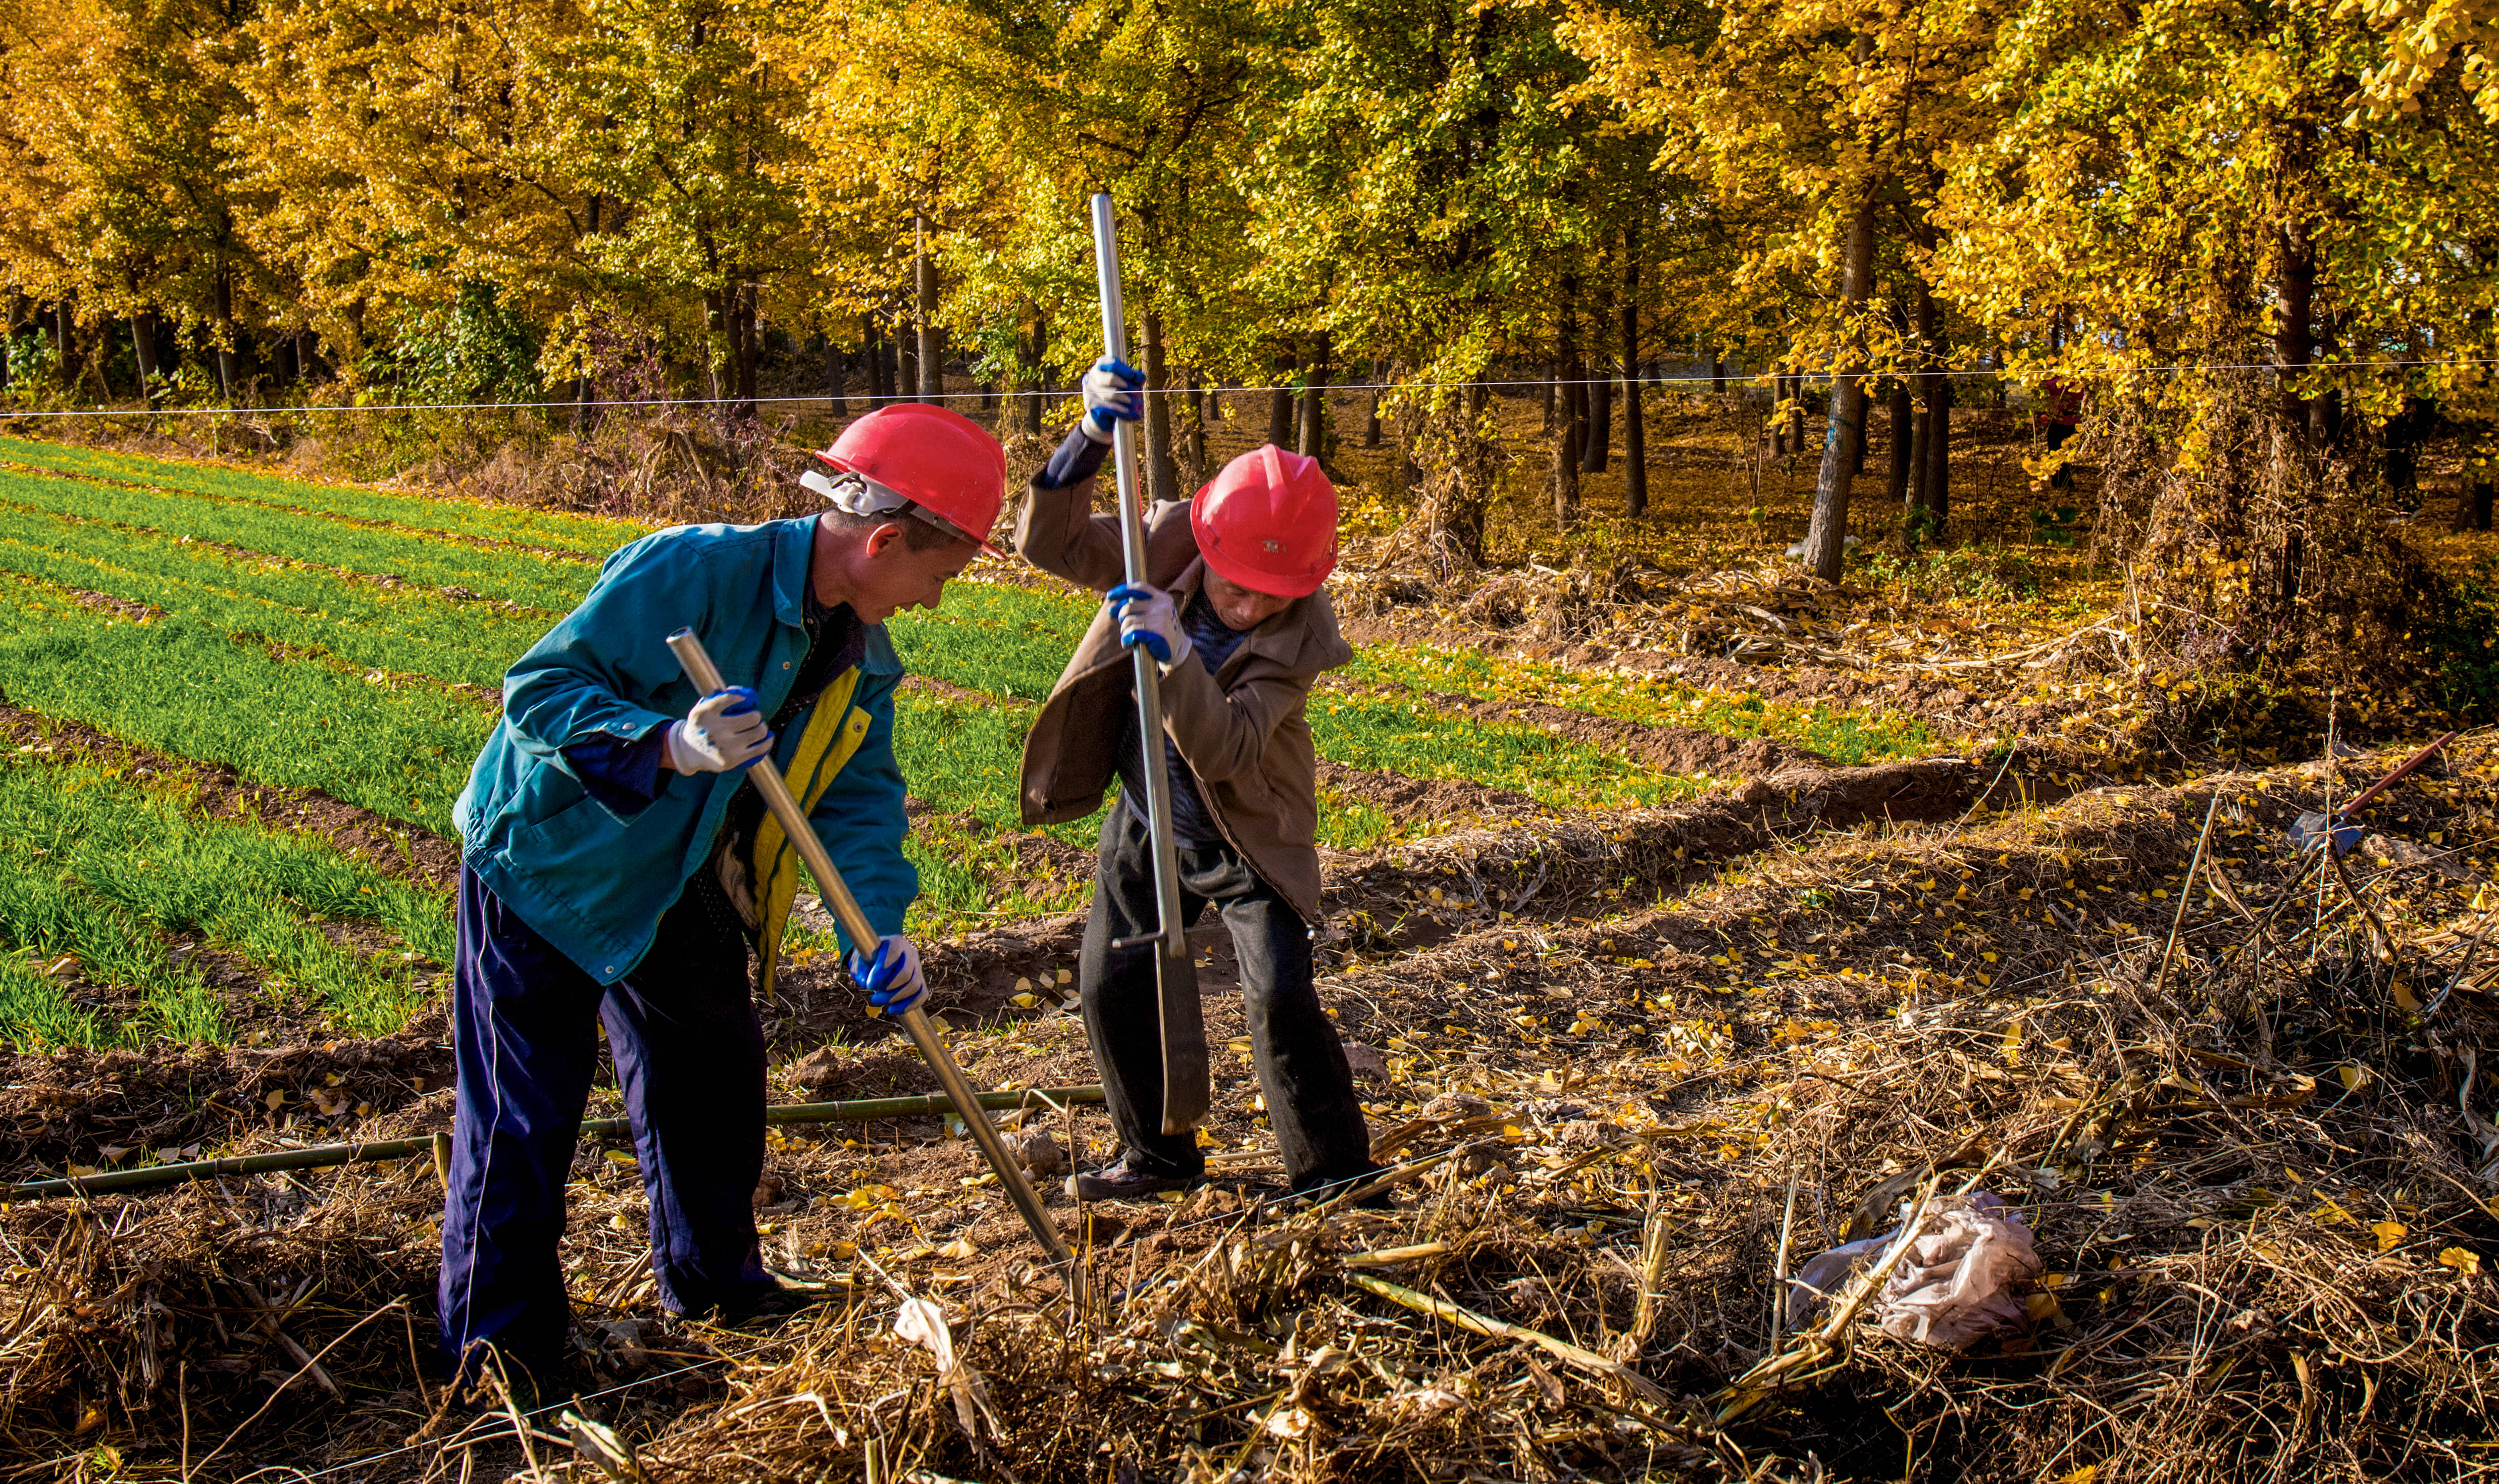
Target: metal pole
[(863, 937), (321, 1156), (1185, 1092)]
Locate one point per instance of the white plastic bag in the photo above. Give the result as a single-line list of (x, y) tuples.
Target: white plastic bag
[(1953, 1288)]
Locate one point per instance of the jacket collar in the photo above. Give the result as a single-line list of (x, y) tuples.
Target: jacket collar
[(1280, 639), (794, 549)]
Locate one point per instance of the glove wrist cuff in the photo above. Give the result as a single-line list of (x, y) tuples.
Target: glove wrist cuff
[(681, 757), (1092, 433)]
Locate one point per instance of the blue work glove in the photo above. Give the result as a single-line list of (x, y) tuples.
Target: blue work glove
[(1114, 392), (892, 979), (724, 732), (1148, 616)]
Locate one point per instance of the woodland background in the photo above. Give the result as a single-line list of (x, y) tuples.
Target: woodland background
[(2263, 239)]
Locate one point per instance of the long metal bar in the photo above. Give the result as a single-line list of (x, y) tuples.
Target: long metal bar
[(777, 798), (1185, 1093), (321, 1156)]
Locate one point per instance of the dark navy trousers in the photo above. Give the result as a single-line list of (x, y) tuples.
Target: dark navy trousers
[(689, 1055)]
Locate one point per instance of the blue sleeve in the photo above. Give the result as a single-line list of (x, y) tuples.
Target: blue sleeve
[(1078, 458), (607, 671), (623, 776), (860, 817)]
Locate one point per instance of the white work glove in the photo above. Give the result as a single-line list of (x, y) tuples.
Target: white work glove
[(724, 731), (1148, 616), (892, 979), (1114, 393)]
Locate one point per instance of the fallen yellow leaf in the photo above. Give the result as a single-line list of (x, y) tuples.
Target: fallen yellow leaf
[(2465, 1262), (2389, 1234)]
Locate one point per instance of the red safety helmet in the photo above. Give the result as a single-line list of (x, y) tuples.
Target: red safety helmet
[(947, 469), (1267, 521)]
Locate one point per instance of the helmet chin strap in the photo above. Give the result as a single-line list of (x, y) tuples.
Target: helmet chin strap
[(853, 493), (856, 494)]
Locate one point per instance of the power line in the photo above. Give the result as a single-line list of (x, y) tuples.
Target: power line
[(2105, 373)]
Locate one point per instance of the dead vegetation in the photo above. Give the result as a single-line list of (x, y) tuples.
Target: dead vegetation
[(2238, 1092)]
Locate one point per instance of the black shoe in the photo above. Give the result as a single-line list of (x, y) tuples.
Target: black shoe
[(1120, 1182)]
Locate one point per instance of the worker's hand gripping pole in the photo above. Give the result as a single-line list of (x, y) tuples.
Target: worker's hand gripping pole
[(1184, 1023), (863, 937)]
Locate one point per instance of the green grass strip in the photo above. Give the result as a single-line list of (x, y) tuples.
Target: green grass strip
[(588, 535), (992, 637), (365, 626), (507, 577), (1844, 734), (1391, 735), (180, 687), (142, 864)]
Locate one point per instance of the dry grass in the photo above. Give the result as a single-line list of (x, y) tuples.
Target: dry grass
[(2261, 1181)]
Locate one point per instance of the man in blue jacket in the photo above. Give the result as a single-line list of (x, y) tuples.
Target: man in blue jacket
[(616, 869)]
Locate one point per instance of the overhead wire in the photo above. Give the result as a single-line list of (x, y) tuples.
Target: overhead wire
[(2099, 373)]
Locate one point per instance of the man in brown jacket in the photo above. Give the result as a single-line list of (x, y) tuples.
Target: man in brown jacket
[(1232, 609)]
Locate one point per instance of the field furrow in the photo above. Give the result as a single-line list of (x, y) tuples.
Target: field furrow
[(586, 536), (361, 626), (182, 687), (123, 885), (419, 558)]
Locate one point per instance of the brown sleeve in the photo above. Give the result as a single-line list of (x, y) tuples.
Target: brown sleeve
[(1224, 733), (1056, 530)]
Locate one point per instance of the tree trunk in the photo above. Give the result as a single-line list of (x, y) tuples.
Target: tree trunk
[(931, 344), (1552, 378), (142, 354), (1194, 472), (836, 385), (1635, 434), (1370, 424), (1162, 474), (1930, 473), (2473, 506), (1311, 436), (1600, 418), (742, 347), (1570, 447), (1778, 416), (1034, 354), (1717, 373), (1796, 413), (2406, 431), (2294, 343), (872, 361), (1897, 413), (1825, 544), (1934, 456), (1280, 407), (228, 373)]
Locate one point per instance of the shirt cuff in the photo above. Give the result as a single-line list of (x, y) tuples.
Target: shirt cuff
[(623, 775), (1078, 458)]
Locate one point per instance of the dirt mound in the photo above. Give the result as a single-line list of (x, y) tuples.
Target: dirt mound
[(1683, 750), (80, 1107), (1409, 800)]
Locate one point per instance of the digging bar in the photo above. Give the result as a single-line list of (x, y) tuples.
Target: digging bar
[(777, 798), (1184, 1023)]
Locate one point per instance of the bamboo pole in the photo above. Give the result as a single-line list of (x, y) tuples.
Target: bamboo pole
[(323, 1155)]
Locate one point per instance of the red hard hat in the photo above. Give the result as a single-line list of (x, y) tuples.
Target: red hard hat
[(941, 461), (1267, 521)]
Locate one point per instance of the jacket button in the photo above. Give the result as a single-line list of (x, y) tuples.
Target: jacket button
[(784, 665), (610, 969)]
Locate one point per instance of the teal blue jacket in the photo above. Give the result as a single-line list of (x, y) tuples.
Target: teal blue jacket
[(592, 880)]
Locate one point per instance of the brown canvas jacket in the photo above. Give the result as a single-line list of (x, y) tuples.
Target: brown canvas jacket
[(1241, 731)]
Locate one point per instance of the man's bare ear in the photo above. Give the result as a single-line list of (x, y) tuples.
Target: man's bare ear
[(882, 537)]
